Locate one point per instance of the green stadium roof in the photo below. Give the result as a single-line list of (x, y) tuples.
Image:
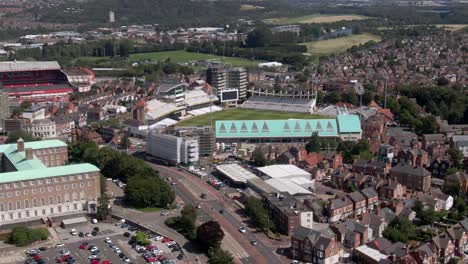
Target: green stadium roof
[(275, 128), (291, 128), (349, 124), (46, 173)]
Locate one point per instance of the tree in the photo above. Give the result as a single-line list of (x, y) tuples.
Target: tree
[(400, 229), (124, 142), (148, 191), (456, 157), (259, 158), (220, 256), (103, 208), (259, 37), (210, 235), (22, 236), (335, 97), (142, 238), (14, 136), (314, 143), (258, 214), (451, 189), (124, 48)]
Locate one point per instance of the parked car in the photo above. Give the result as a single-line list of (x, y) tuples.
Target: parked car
[(126, 259), (95, 252), (73, 232), (117, 250), (43, 248), (108, 240), (88, 234), (253, 242), (59, 245), (126, 234), (180, 257), (65, 252), (81, 234), (83, 245), (242, 230), (159, 238), (171, 243)]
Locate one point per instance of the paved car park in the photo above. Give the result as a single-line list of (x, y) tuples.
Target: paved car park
[(115, 233)]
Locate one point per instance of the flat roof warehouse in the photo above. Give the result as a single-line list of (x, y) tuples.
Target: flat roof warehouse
[(235, 173)]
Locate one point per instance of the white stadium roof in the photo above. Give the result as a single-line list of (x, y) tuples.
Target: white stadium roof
[(236, 173), (157, 109), (284, 171), (12, 66)]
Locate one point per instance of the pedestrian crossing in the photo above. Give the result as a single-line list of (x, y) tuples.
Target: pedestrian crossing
[(231, 245)]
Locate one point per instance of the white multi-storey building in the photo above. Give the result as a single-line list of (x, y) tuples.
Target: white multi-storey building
[(171, 148)]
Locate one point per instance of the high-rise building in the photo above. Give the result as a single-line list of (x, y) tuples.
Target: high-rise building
[(216, 77), (204, 135), (111, 17), (237, 79), (172, 148), (4, 108)]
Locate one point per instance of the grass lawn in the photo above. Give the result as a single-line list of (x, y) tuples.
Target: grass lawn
[(244, 114), (450, 27), (314, 18), (184, 56), (329, 46), (250, 7)]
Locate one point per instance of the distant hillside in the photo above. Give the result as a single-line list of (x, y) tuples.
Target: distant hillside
[(164, 12)]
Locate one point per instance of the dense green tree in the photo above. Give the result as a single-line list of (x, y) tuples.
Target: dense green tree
[(258, 214), (314, 143), (451, 189), (259, 37), (14, 136), (259, 158), (220, 256), (142, 238), (210, 235), (124, 142), (148, 191), (22, 236), (103, 208), (456, 157), (335, 97), (400, 229)]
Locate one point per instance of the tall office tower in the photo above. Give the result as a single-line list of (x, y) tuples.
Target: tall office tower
[(237, 79), (111, 17), (216, 77)]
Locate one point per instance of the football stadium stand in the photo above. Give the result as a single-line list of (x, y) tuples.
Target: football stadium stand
[(35, 81), (277, 103)]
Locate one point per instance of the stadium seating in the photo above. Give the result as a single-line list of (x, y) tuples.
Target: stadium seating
[(284, 104)]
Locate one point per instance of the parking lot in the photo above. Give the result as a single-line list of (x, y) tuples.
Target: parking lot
[(71, 246)]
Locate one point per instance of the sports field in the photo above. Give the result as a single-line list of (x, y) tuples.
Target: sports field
[(184, 56), (250, 7), (314, 18), (244, 114), (337, 45)]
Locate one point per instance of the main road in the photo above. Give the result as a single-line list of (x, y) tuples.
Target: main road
[(189, 187)]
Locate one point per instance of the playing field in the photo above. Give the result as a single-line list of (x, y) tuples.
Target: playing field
[(245, 114), (314, 18), (337, 45), (250, 7), (184, 56)]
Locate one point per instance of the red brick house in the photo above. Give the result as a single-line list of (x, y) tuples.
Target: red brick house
[(339, 209), (312, 159), (445, 247), (414, 156), (359, 203), (392, 190), (371, 167), (460, 237), (312, 246)]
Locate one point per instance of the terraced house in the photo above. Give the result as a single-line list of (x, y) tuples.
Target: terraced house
[(35, 182)]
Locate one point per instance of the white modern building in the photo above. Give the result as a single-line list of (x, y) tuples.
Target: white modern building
[(34, 113), (42, 128), (288, 178), (171, 148)]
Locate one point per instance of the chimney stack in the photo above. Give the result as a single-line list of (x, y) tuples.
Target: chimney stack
[(20, 145), (29, 153)]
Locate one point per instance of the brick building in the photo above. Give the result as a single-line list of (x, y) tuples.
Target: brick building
[(315, 247), (415, 178), (36, 183)]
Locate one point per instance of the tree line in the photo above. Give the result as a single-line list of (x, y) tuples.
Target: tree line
[(145, 188)]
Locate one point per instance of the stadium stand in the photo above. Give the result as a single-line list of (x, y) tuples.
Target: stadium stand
[(278, 103), (35, 81)]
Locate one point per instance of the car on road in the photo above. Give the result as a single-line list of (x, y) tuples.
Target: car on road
[(164, 213), (253, 242), (242, 230)]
